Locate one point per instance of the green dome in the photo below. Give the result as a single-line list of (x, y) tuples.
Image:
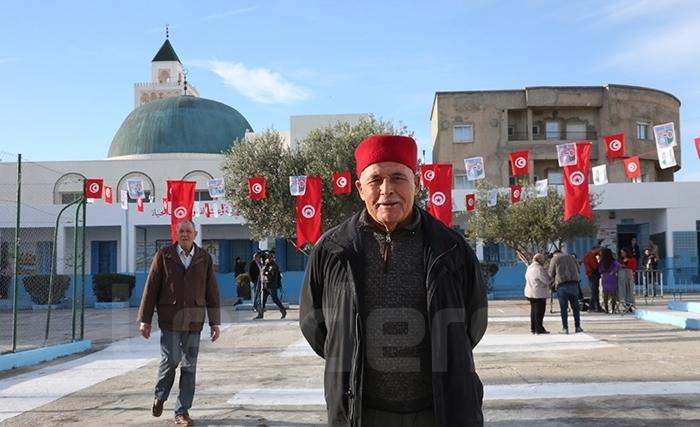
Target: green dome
[(182, 124)]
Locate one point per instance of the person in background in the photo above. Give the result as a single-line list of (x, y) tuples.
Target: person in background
[(271, 280), (536, 291), (634, 249), (254, 272), (564, 271), (590, 263), (239, 266), (609, 269), (650, 264), (181, 287)]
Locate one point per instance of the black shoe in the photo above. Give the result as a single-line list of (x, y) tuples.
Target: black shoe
[(157, 408), (284, 314), (543, 332), (258, 317), (579, 329)]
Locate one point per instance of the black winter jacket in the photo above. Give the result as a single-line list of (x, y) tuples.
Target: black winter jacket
[(457, 306)]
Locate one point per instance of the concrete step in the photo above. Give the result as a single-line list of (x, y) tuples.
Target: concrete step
[(689, 306), (675, 318)]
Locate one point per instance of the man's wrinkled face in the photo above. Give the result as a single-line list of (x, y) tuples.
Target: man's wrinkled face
[(388, 190), (186, 235)]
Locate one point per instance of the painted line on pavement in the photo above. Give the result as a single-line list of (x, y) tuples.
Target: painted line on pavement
[(28, 391), (498, 343), (315, 396)]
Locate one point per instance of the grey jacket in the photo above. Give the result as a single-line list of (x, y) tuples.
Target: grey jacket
[(563, 268)]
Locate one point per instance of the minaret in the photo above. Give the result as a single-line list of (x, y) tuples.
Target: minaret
[(167, 77)]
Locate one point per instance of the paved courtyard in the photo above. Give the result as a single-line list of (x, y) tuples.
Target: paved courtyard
[(621, 371)]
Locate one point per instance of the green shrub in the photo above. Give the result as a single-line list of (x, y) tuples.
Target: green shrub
[(113, 287), (243, 285), (37, 287)]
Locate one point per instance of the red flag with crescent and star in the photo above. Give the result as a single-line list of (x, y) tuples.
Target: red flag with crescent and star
[(93, 188), (257, 188), (341, 182), (519, 161), (615, 145), (308, 212), (437, 178), (516, 193), (632, 168), (470, 202), (181, 197), (576, 198)]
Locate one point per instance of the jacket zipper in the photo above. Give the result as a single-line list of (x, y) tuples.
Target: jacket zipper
[(387, 251)]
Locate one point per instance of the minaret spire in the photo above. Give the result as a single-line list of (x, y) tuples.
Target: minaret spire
[(167, 33)]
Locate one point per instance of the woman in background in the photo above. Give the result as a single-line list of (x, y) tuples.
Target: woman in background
[(608, 269)]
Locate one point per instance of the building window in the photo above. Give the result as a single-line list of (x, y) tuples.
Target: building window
[(535, 130), (575, 130), (462, 183), (202, 195), (70, 197), (552, 129), (463, 133), (511, 130), (555, 177), (642, 130)]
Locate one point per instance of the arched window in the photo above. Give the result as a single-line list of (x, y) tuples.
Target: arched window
[(201, 192), (148, 186), (68, 188)]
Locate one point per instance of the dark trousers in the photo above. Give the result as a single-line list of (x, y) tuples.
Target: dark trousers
[(594, 283), (178, 348), (272, 293), (376, 418), (567, 293), (537, 309), (256, 290)]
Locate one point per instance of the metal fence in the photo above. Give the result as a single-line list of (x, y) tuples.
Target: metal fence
[(675, 281), (39, 273)]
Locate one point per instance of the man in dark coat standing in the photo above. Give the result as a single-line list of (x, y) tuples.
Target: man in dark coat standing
[(182, 287), (394, 301)]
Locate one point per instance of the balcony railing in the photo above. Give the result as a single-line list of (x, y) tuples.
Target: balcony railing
[(555, 136)]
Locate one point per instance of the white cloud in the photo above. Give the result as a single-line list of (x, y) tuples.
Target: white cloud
[(228, 13), (8, 60), (259, 84), (663, 49)]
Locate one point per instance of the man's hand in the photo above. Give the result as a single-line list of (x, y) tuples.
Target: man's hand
[(145, 330), (215, 332)]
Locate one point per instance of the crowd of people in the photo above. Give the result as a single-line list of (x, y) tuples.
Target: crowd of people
[(611, 280)]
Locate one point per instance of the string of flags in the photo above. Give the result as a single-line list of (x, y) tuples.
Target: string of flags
[(573, 157)]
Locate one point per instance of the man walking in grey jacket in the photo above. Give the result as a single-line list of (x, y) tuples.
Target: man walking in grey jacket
[(564, 270)]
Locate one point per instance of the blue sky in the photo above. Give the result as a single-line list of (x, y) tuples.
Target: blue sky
[(68, 68)]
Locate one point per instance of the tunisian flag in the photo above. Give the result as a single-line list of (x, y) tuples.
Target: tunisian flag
[(632, 168), (341, 182), (181, 195), (93, 188), (518, 162), (470, 202), (516, 192), (697, 146), (256, 188), (615, 145), (437, 178), (308, 212), (576, 200)]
